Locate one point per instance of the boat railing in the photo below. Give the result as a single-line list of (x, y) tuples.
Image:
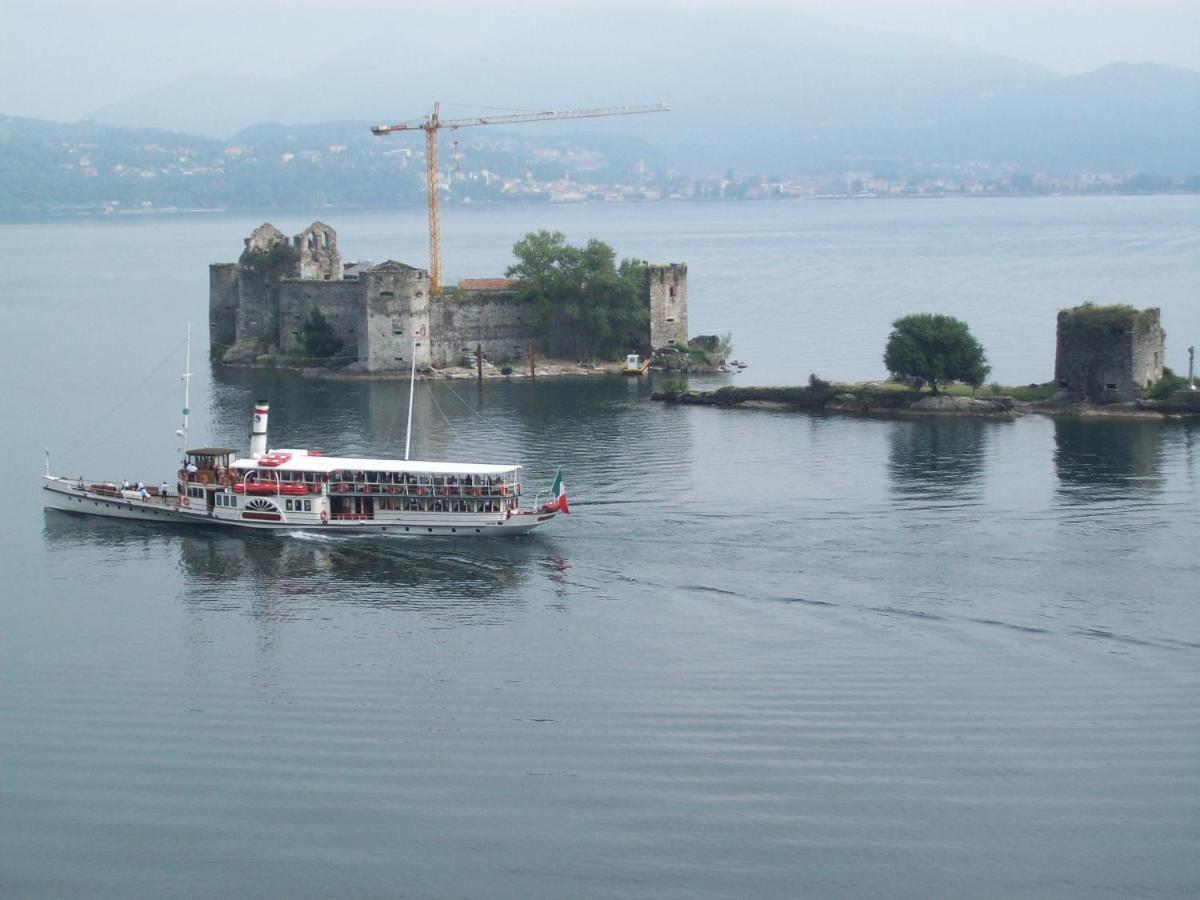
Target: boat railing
[(420, 489)]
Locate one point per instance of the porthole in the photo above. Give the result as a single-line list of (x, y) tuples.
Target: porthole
[(430, 530)]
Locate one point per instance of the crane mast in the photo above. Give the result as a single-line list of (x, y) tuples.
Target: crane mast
[(433, 123)]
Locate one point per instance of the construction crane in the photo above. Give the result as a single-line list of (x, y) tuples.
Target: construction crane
[(433, 123)]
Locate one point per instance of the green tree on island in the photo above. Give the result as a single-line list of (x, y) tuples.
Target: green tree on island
[(321, 344), (926, 348), (582, 303)]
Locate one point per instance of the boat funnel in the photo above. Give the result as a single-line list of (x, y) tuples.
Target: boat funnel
[(258, 431)]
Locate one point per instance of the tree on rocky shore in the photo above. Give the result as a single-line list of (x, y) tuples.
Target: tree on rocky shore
[(927, 348), (581, 302)]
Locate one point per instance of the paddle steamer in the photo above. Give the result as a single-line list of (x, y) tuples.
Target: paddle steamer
[(289, 490)]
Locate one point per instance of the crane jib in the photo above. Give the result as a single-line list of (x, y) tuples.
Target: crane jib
[(433, 123)]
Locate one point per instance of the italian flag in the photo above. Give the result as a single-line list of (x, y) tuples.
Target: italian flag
[(559, 492)]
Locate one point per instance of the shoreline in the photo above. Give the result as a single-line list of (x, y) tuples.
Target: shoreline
[(548, 368), (870, 400), (16, 217)]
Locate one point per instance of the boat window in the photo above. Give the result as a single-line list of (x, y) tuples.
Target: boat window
[(308, 506)]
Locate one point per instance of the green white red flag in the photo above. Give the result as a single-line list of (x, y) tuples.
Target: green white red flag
[(559, 493)]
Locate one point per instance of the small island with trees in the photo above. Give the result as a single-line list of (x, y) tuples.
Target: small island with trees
[(1108, 363)]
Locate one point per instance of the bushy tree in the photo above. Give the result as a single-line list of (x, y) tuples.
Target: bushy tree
[(927, 348), (320, 342), (582, 303)]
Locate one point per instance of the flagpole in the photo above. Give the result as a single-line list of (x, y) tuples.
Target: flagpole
[(412, 385)]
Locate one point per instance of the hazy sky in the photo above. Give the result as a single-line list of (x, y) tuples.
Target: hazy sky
[(61, 59)]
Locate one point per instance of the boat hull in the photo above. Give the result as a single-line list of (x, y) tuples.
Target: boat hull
[(66, 495)]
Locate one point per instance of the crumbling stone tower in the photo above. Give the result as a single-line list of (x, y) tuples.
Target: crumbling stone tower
[(1108, 353), (666, 292), (319, 256)]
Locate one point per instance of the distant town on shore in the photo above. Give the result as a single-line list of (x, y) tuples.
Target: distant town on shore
[(53, 168)]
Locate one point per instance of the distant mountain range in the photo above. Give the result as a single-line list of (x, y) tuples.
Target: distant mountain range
[(764, 90), (760, 101)]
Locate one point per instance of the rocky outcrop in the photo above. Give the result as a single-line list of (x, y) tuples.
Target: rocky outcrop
[(947, 405), (861, 401)]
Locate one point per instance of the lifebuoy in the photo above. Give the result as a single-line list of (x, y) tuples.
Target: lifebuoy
[(392, 489), (445, 492), (366, 489), (421, 491), (474, 492), (504, 489), (324, 517)]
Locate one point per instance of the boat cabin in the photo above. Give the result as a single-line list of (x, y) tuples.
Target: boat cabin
[(352, 488), (207, 464)]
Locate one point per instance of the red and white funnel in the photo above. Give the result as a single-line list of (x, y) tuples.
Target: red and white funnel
[(258, 430)]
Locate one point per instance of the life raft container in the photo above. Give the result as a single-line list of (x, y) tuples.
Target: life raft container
[(274, 459)]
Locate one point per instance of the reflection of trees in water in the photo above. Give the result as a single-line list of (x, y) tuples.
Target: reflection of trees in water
[(938, 458), (1097, 460)]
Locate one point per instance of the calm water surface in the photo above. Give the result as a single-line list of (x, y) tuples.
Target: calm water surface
[(769, 654)]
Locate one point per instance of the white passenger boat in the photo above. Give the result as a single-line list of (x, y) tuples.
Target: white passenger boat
[(290, 489)]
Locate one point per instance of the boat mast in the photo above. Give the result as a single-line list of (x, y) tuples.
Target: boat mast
[(187, 376), (412, 384)]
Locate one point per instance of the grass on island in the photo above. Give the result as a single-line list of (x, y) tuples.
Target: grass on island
[(1021, 393)]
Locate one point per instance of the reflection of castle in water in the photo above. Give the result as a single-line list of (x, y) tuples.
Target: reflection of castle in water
[(1098, 460), (938, 459)]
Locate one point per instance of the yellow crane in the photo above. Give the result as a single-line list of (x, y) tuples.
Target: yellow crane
[(433, 123)]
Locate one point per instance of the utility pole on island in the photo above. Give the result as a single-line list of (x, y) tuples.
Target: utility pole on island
[(1192, 367)]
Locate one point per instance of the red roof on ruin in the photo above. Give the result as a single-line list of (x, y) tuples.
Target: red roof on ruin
[(488, 284)]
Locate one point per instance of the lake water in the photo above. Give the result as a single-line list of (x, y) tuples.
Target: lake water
[(768, 654)]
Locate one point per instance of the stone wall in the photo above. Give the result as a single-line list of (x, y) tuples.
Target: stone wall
[(340, 302), (222, 306), (257, 307), (666, 292), (493, 320), (1149, 348), (1108, 353)]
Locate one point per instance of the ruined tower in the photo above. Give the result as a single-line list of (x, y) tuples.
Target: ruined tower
[(395, 315), (319, 256), (1108, 353), (666, 292)]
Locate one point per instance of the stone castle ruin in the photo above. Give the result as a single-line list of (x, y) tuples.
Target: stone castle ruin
[(1108, 353), (259, 305)]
